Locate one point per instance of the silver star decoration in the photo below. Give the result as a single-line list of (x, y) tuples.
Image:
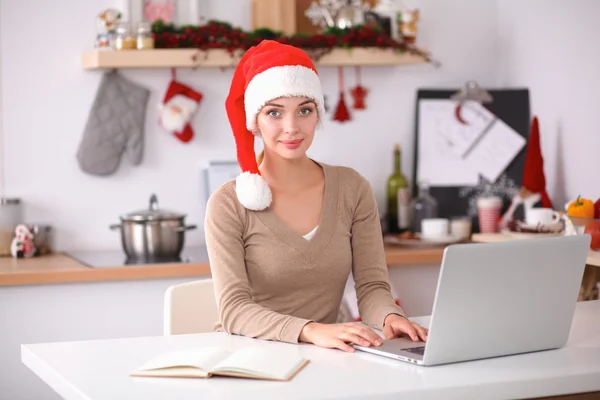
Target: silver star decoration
[(504, 187), (324, 13)]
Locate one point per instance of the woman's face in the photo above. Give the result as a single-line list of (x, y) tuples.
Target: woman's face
[(287, 126)]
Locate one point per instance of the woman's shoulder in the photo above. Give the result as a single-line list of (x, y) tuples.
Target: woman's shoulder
[(348, 176), (223, 199), (225, 191)]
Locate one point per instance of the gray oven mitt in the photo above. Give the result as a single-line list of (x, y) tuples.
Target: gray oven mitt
[(115, 125)]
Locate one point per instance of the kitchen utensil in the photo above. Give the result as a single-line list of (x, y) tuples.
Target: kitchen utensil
[(10, 217), (434, 228), (42, 238), (541, 216), (461, 227), (489, 209), (152, 234)]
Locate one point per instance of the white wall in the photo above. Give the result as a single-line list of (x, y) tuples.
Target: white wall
[(552, 48), (47, 97)]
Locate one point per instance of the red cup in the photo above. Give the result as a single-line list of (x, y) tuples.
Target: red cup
[(489, 209)]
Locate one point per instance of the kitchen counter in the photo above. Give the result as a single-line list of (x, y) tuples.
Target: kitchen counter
[(592, 260), (61, 268)]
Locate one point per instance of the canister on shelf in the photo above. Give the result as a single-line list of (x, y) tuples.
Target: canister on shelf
[(11, 215), (124, 40), (145, 40)]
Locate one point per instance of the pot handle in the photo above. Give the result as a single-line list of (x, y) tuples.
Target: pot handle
[(114, 227), (184, 228)]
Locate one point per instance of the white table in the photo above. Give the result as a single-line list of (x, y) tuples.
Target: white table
[(98, 370)]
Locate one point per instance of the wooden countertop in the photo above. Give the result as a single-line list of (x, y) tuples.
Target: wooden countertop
[(593, 256), (61, 268)]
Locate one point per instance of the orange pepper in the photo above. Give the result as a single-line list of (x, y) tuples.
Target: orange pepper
[(581, 208)]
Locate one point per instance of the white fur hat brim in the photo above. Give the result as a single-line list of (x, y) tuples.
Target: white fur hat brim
[(282, 81)]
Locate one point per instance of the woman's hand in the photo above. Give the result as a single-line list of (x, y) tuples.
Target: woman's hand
[(337, 336), (394, 325)]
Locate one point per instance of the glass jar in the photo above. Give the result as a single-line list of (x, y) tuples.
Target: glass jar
[(11, 215), (423, 206), (124, 40), (145, 40)]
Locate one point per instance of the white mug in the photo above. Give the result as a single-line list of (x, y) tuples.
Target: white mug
[(541, 216), (434, 227), (461, 227)]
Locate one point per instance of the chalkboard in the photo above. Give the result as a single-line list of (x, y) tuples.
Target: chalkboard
[(510, 105)]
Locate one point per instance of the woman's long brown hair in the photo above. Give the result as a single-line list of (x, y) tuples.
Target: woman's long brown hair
[(260, 157)]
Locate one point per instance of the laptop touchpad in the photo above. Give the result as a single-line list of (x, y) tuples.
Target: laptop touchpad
[(399, 344)]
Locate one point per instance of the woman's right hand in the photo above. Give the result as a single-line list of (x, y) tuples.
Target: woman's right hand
[(337, 336)]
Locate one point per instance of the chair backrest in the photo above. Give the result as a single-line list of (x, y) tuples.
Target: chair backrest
[(190, 308)]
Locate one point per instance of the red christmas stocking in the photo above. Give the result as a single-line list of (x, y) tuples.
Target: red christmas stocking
[(359, 93), (178, 107), (341, 111)]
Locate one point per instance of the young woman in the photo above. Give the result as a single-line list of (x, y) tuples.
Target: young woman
[(284, 237)]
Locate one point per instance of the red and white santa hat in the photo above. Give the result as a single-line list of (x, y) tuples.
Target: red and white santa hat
[(265, 72)]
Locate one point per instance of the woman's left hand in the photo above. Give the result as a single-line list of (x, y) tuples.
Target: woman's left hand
[(395, 325)]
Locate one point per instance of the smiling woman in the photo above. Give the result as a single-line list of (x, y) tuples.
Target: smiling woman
[(284, 237)]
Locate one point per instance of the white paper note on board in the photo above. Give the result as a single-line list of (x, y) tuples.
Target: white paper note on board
[(439, 163), (498, 146)]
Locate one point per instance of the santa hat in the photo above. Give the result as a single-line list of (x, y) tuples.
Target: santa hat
[(534, 179), (265, 72)]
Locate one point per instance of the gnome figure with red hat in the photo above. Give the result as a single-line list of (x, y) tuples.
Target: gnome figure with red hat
[(533, 187), (284, 236)]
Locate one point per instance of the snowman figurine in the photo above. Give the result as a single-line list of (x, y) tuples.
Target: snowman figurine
[(22, 245), (106, 27)]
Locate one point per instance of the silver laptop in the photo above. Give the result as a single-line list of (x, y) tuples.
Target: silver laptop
[(498, 299)]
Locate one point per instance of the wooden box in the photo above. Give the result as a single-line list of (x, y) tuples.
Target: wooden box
[(286, 16)]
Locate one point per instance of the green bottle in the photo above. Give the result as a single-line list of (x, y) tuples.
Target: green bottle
[(398, 197)]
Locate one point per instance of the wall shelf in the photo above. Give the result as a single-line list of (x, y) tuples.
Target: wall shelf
[(192, 58)]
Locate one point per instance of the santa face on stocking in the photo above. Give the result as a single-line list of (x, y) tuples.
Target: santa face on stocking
[(176, 111)]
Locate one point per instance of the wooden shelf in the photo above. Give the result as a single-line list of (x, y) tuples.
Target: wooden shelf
[(192, 58)]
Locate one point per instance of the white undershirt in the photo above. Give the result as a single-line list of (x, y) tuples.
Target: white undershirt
[(310, 234)]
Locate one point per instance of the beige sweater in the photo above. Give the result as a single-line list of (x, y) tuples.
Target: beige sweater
[(270, 281)]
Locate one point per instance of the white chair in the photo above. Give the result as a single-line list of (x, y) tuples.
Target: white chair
[(190, 308)]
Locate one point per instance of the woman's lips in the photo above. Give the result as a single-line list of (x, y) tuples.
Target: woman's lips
[(291, 144)]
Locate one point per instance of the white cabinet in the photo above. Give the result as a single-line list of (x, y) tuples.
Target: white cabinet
[(67, 312)]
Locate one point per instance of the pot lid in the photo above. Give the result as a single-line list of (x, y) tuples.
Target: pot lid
[(152, 213)]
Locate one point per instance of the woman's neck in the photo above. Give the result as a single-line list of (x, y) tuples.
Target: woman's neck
[(289, 174)]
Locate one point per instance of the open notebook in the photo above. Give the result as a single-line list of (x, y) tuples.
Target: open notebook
[(249, 362)]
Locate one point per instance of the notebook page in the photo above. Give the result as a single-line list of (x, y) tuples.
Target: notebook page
[(260, 362), (204, 358)]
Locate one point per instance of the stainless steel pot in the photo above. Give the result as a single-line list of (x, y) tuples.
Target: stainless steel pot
[(152, 234)]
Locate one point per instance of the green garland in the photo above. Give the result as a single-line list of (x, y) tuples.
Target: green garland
[(221, 35)]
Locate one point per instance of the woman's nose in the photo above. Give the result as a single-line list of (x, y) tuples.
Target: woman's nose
[(290, 125)]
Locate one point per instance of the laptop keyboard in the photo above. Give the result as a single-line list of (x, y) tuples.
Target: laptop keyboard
[(416, 350)]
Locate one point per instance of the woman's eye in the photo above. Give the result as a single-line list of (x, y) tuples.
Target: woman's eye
[(306, 111), (274, 113)]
